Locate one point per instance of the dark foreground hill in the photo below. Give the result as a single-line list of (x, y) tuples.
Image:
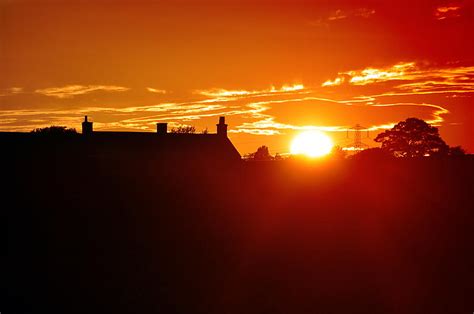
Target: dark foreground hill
[(87, 235)]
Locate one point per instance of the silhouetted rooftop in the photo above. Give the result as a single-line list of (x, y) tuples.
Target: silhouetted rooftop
[(169, 146)]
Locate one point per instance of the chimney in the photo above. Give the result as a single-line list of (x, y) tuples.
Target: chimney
[(162, 128), (86, 127), (222, 127)]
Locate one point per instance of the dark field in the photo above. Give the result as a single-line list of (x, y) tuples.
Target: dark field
[(137, 235)]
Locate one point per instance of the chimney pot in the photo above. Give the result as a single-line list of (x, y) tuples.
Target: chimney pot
[(87, 126), (162, 128)]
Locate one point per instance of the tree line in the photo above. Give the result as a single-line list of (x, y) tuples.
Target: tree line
[(410, 138)]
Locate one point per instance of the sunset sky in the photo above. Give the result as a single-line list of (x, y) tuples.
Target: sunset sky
[(273, 68)]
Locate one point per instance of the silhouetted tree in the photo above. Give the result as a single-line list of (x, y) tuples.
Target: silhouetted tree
[(412, 138), (184, 130), (54, 130), (262, 153), (205, 131), (457, 151)]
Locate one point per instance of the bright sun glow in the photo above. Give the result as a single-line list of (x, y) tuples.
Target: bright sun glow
[(311, 144)]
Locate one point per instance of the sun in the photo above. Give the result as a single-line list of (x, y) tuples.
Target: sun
[(312, 144)]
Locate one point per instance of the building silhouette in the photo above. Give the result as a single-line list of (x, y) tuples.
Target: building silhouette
[(160, 146)]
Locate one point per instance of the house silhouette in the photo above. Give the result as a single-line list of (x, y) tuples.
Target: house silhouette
[(135, 147), (162, 144)]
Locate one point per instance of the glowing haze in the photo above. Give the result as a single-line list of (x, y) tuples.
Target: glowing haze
[(274, 68)]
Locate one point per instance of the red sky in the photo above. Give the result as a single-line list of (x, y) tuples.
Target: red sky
[(273, 68)]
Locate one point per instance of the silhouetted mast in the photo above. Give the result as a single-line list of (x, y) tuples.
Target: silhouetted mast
[(358, 144)]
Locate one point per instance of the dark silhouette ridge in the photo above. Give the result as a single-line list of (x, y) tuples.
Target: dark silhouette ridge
[(103, 223)]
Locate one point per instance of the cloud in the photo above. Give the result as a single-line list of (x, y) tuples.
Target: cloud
[(134, 117), (372, 75), (436, 114), (409, 77), (11, 91), (337, 15), (70, 91), (360, 12), (268, 126), (219, 92), (445, 12), (240, 104), (337, 81), (364, 12), (157, 91), (338, 115), (257, 112)]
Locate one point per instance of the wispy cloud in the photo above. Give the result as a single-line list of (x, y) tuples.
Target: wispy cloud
[(136, 117), (409, 77), (219, 92), (75, 90), (445, 12), (364, 12), (156, 91), (267, 124), (436, 115), (372, 75), (340, 14), (11, 91), (337, 15)]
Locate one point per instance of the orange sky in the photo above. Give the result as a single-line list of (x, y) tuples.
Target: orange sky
[(273, 68)]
